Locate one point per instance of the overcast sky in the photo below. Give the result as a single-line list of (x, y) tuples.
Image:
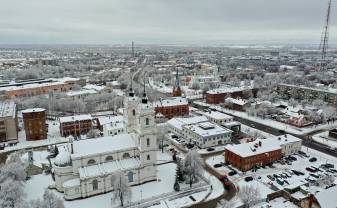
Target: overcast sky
[(163, 21)]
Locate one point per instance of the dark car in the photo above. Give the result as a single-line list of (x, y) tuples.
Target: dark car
[(210, 149), (233, 172), (249, 178), (311, 170), (327, 166), (217, 165), (313, 159)]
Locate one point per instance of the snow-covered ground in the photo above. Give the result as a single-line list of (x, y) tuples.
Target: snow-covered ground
[(324, 138), (275, 124)]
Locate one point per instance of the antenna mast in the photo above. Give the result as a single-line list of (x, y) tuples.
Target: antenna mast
[(323, 47)]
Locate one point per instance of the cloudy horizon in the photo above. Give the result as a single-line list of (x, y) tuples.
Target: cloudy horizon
[(164, 22)]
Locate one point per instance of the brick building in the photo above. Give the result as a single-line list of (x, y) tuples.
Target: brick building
[(75, 125), (34, 120), (172, 107), (247, 155), (8, 122), (38, 87), (219, 95)]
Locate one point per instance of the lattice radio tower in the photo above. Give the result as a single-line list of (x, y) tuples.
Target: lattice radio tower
[(323, 47)]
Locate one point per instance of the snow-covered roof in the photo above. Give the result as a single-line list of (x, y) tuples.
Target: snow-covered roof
[(172, 101), (81, 92), (327, 198), (93, 87), (101, 145), (216, 115), (285, 139), (110, 119), (63, 157), (7, 108), (178, 123), (253, 148), (228, 90), (108, 167), (207, 129), (235, 101), (31, 110), (72, 183), (75, 118)]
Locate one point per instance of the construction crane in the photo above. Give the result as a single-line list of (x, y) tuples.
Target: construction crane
[(323, 47)]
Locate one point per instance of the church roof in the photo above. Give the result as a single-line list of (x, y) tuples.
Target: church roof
[(108, 167), (102, 145)]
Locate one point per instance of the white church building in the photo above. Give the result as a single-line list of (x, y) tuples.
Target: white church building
[(85, 168)]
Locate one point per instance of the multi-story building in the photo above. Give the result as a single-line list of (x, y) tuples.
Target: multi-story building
[(175, 125), (37, 87), (216, 96), (206, 134), (172, 107), (261, 151), (247, 155), (75, 125), (34, 120), (88, 167), (112, 125), (301, 92), (8, 122)]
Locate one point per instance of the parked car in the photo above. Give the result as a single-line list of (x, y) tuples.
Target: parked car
[(279, 181), (303, 154), (327, 166), (210, 149), (271, 177), (233, 172), (248, 178), (313, 159), (311, 170), (314, 175), (217, 165)]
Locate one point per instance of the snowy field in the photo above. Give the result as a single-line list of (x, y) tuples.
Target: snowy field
[(267, 186)]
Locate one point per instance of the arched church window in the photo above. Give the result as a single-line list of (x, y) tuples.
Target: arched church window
[(94, 184), (147, 121), (126, 155), (130, 176), (109, 158), (91, 162), (133, 112), (148, 142)]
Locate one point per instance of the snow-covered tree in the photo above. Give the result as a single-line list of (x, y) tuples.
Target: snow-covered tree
[(49, 200), (193, 166), (248, 194), (11, 193), (14, 168), (122, 191), (329, 112)]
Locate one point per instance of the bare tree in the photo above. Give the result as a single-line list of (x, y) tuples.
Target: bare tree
[(49, 200), (249, 194), (193, 166), (14, 168), (122, 191)]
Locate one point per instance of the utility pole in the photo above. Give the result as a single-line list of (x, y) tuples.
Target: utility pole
[(323, 47), (133, 49)]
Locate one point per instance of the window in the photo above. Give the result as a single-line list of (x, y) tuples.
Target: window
[(130, 176), (126, 155), (94, 185), (148, 157), (148, 142), (91, 162), (133, 112), (109, 158), (147, 121)]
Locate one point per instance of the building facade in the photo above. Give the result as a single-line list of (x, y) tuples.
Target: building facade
[(217, 96), (172, 107), (34, 120), (8, 122), (88, 167), (75, 125)]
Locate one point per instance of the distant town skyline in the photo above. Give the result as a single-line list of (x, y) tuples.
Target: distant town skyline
[(164, 22)]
